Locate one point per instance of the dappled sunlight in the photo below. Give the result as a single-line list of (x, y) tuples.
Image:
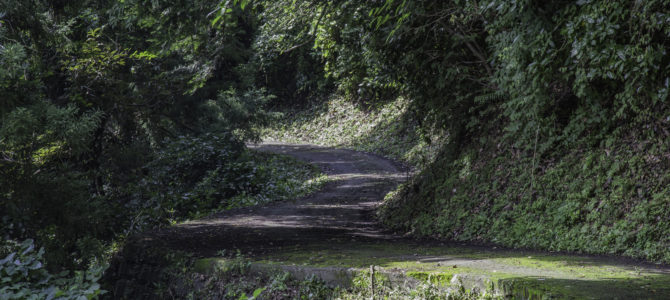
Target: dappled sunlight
[(286, 221), (368, 176), (343, 210), (387, 129)]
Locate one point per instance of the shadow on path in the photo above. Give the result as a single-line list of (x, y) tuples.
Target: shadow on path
[(342, 210)]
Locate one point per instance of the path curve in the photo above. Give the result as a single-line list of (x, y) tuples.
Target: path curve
[(336, 226), (343, 210)]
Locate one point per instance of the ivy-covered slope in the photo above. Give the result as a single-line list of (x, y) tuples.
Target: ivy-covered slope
[(568, 151), (602, 200)]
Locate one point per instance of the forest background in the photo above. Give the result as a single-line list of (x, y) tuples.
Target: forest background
[(540, 124)]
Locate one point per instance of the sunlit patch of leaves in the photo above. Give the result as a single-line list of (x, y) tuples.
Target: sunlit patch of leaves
[(387, 130)]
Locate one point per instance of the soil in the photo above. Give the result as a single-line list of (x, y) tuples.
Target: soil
[(341, 211)]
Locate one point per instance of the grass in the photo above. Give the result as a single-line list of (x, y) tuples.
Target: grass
[(283, 178), (286, 178)]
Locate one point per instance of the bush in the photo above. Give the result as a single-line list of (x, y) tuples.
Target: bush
[(23, 276), (192, 176), (186, 175)]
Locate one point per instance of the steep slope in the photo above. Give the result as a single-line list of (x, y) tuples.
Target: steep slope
[(604, 199)]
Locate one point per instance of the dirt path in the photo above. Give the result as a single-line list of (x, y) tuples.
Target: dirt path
[(341, 211), (335, 227)]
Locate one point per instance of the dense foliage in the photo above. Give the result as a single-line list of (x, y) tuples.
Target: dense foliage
[(122, 116), (564, 145), (551, 117), (24, 276)]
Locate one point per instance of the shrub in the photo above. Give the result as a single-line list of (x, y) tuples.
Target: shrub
[(23, 276)]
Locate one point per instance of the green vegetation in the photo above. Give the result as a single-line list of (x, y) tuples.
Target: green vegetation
[(183, 183), (460, 270), (196, 176), (387, 129), (573, 160), (535, 124), (23, 276), (105, 132), (598, 201), (547, 118), (186, 278), (237, 278)]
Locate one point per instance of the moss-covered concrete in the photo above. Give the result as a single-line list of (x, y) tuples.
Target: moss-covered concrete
[(513, 274)]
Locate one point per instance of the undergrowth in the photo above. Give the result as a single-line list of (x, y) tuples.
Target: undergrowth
[(195, 176), (387, 129), (190, 177), (24, 276), (236, 281), (610, 199)]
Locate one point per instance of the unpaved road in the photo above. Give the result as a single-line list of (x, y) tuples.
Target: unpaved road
[(341, 211), (336, 226)]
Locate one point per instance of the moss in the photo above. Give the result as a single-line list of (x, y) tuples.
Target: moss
[(436, 278), (513, 272), (599, 199), (207, 265)]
